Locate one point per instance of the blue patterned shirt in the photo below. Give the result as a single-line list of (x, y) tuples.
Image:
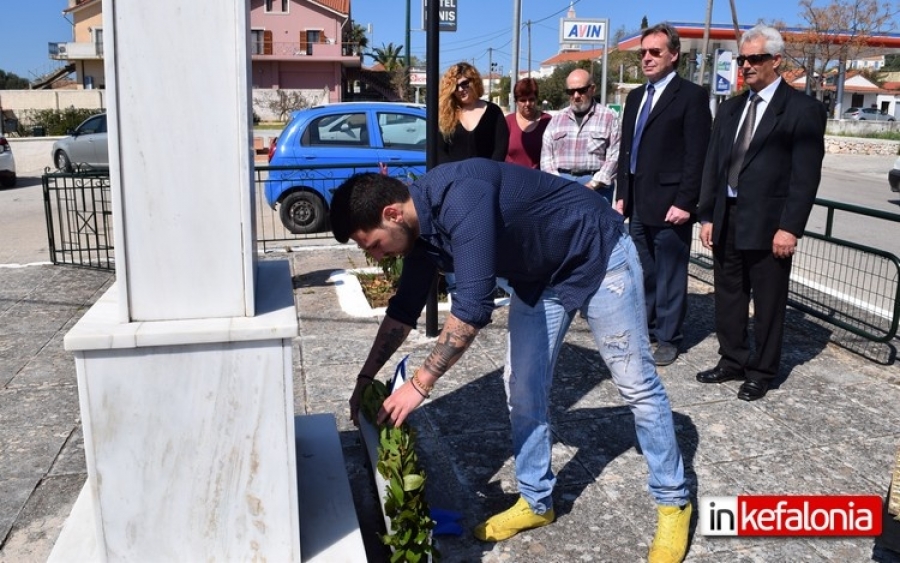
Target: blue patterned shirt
[(482, 219)]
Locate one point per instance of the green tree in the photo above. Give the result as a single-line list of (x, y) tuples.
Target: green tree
[(390, 56), (644, 23), (11, 81), (355, 34), (891, 63)]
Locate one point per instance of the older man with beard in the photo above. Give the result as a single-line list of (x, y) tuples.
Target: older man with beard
[(582, 142)]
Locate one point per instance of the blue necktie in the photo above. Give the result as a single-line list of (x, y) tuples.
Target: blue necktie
[(639, 128)]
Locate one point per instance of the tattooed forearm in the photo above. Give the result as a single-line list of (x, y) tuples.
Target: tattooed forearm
[(392, 339), (453, 341)]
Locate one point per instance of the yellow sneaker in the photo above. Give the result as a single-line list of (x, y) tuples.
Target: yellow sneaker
[(512, 521), (670, 543)]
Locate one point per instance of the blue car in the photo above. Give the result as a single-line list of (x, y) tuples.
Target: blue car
[(324, 145)]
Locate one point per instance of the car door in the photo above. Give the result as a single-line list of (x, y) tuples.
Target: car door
[(331, 147), (89, 143), (401, 137)]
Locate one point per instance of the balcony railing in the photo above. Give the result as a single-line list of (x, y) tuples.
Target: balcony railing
[(296, 49), (67, 51)]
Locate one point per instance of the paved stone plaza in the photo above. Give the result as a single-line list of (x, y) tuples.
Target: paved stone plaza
[(830, 427)]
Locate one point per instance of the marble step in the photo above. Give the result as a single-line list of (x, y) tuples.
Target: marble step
[(329, 528)]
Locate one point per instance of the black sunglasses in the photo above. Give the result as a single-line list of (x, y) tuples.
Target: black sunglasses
[(653, 52), (754, 59), (464, 85), (583, 90)]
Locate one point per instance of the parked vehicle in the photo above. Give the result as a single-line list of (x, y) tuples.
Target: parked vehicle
[(867, 114), (323, 143), (7, 165), (85, 146), (894, 176)]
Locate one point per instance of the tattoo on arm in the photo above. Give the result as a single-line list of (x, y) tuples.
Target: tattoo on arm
[(451, 344), (392, 340)]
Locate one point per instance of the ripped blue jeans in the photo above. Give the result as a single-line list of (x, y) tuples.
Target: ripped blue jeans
[(617, 318)]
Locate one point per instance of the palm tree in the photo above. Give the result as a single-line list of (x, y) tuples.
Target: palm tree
[(355, 35), (388, 55)]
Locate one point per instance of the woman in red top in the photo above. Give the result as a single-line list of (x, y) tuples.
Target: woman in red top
[(526, 125)]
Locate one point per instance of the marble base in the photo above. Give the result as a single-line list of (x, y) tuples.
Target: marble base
[(189, 433)]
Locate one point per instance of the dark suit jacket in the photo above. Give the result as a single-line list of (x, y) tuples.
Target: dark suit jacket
[(670, 159), (781, 171)]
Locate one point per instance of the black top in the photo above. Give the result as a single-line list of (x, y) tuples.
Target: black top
[(489, 139)]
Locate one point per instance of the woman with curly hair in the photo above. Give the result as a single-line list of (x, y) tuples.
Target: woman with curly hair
[(469, 126)]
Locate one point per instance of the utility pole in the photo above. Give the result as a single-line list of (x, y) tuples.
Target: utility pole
[(514, 73), (528, 23), (408, 54), (490, 73), (705, 50)]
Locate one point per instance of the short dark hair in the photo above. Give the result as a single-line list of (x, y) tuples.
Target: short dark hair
[(673, 41), (357, 203), (525, 88)]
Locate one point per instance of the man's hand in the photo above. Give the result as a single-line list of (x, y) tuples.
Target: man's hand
[(400, 404), (619, 206), (706, 235), (677, 216), (356, 398), (784, 244)]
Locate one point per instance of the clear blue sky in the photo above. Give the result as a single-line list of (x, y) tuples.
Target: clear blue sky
[(26, 26)]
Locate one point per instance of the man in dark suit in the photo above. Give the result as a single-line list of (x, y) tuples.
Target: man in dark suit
[(755, 199), (665, 131)]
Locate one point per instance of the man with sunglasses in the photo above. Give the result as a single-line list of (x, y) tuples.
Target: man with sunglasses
[(759, 183), (581, 143), (665, 131)]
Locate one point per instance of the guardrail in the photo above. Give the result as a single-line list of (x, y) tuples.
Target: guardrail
[(844, 283)]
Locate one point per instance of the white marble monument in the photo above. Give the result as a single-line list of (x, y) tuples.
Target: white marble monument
[(184, 366)]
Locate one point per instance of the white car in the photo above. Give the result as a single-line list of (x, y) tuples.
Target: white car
[(7, 165), (86, 146)]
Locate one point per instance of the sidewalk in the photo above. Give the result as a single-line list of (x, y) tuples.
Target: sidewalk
[(830, 427)]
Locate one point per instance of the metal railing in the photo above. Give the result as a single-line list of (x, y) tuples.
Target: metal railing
[(78, 212), (846, 284), (271, 232)]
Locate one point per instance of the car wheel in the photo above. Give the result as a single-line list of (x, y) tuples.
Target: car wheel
[(8, 181), (303, 213), (61, 159)]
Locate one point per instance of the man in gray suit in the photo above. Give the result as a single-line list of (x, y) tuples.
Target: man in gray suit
[(760, 181)]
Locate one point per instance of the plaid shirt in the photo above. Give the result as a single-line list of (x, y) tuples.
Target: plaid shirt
[(593, 146)]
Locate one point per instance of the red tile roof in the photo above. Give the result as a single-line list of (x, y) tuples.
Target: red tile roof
[(342, 6), (573, 57)]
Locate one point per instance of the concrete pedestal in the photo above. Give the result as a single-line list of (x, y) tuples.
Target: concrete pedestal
[(189, 434)]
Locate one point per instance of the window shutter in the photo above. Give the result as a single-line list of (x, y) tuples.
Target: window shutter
[(303, 42), (267, 42)]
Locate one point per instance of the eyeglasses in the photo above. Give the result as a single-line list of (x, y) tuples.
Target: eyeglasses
[(653, 52), (754, 59), (583, 90), (464, 85)]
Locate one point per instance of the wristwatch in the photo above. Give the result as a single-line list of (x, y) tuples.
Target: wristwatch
[(594, 184)]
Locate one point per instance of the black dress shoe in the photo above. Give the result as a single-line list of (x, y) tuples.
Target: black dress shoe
[(719, 374), (752, 390)]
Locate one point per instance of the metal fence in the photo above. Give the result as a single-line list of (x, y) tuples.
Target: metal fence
[(271, 232), (844, 283), (849, 285), (78, 212)]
